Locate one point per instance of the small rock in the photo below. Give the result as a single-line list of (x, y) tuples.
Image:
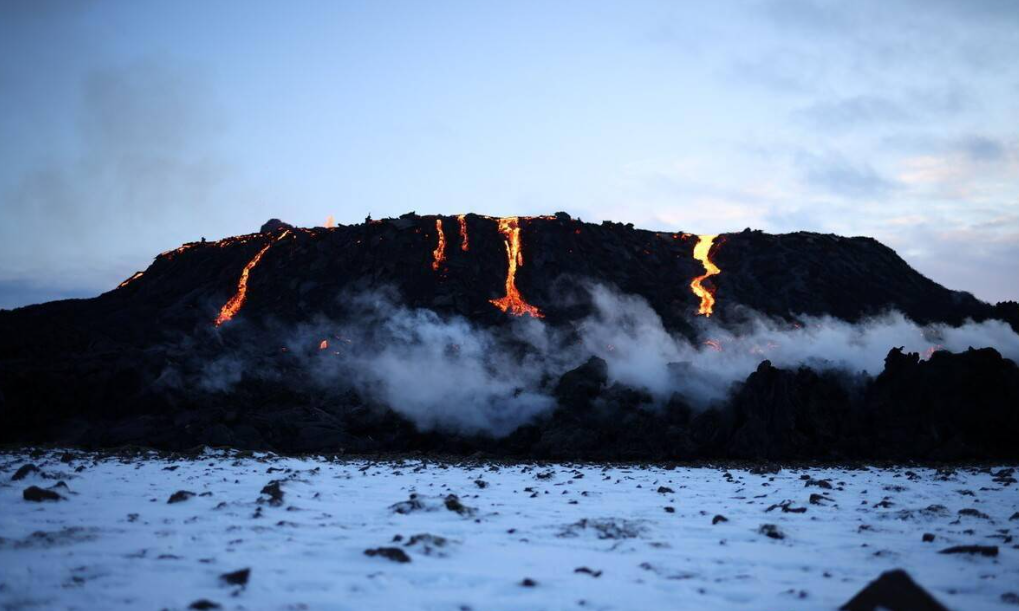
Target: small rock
[(274, 492), (179, 497), (718, 518), (38, 495), (453, 504), (983, 550), (1010, 598), (204, 604), (670, 509), (24, 472), (973, 513), (391, 553), (928, 537), (587, 571), (771, 531), (528, 582), (665, 490), (237, 578)]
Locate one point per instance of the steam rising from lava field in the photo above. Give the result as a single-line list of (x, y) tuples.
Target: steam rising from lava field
[(545, 336), (447, 373)]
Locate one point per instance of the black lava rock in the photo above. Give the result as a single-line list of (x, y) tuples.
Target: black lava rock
[(38, 495), (391, 553), (895, 591)]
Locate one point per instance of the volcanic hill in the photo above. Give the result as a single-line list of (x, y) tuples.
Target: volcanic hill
[(94, 371)]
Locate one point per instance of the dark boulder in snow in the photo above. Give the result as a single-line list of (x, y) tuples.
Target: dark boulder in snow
[(38, 495), (894, 591)]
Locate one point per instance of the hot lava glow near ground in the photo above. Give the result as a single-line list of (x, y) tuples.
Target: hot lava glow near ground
[(513, 303), (701, 252)]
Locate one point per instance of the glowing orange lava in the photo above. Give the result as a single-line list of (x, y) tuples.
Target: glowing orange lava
[(700, 252), (714, 344), (463, 232), (234, 305), (133, 277), (439, 254), (323, 344), (513, 303), (330, 222)]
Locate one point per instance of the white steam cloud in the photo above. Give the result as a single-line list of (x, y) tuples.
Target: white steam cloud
[(448, 373)]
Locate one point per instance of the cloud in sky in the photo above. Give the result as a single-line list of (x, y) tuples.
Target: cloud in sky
[(131, 127)]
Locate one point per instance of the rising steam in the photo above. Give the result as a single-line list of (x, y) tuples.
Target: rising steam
[(444, 372)]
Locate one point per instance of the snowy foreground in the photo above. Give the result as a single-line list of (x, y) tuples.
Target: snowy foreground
[(518, 536)]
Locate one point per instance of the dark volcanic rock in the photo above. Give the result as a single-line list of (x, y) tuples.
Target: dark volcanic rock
[(179, 497), (391, 553), (894, 591), (38, 495), (274, 492), (981, 550), (24, 471), (236, 578)]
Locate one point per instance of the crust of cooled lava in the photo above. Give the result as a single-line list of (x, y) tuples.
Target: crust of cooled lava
[(88, 372)]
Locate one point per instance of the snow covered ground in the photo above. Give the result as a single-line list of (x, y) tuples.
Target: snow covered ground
[(517, 536)]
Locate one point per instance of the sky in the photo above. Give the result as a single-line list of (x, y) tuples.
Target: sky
[(128, 128)]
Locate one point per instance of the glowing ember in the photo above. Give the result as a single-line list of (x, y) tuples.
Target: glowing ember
[(330, 222), (700, 252), (323, 344), (714, 344), (463, 232), (439, 254), (931, 350), (134, 277), (513, 302), (234, 305)]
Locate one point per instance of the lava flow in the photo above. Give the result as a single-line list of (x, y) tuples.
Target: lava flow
[(439, 254), (234, 305), (133, 277), (463, 231), (513, 302), (701, 252)]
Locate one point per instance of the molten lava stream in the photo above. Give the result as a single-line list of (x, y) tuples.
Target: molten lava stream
[(439, 254), (701, 252), (513, 302), (463, 232), (234, 305), (133, 277)]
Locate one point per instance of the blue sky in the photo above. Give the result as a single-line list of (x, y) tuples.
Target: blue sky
[(127, 128)]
